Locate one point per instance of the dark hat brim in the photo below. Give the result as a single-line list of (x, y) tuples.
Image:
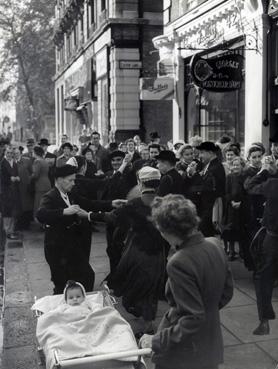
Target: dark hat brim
[(117, 154), (65, 171)]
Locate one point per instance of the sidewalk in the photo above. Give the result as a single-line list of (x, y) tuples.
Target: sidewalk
[(27, 275)]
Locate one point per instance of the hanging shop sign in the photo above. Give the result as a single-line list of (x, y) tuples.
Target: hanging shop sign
[(219, 74), (71, 103), (157, 88)]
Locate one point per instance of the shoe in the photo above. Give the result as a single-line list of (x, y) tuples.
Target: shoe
[(12, 236), (262, 329)]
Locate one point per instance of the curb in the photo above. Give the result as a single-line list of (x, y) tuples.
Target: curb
[(19, 345)]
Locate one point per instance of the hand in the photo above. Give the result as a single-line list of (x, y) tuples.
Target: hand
[(146, 341), (82, 213), (127, 158), (18, 179), (192, 169), (235, 204), (118, 203), (99, 173), (71, 210), (13, 179)]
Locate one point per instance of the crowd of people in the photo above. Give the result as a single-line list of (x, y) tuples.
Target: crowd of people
[(154, 199)]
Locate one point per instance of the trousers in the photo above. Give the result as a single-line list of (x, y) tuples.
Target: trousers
[(265, 276)]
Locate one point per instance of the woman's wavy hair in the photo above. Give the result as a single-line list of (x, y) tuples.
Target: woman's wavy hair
[(174, 214)]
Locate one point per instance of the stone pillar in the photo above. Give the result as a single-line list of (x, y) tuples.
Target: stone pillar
[(124, 91), (178, 103)]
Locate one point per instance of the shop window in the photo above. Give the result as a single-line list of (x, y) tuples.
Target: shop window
[(213, 114)]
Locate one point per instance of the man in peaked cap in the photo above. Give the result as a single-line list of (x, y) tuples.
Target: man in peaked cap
[(171, 181)]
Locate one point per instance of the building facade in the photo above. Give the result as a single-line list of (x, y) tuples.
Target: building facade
[(103, 47), (221, 33)]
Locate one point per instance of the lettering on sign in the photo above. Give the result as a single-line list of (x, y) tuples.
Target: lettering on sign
[(219, 74), (157, 88), (130, 64)]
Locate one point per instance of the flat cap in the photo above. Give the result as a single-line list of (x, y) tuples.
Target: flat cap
[(148, 174)]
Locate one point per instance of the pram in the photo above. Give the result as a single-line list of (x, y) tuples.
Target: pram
[(126, 359)]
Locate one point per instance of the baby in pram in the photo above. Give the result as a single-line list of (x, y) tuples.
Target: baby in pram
[(78, 328)]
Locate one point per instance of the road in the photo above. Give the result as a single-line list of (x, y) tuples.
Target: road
[(27, 275)]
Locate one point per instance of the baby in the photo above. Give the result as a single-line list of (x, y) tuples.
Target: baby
[(74, 293)]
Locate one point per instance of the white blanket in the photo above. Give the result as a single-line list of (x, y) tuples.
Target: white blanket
[(78, 331)]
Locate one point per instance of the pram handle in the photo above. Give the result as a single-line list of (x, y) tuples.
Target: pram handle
[(103, 357)]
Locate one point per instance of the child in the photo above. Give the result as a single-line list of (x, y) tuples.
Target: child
[(74, 293), (234, 217)]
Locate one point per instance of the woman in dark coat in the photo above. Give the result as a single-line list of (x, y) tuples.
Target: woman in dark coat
[(10, 195), (255, 202), (24, 166), (235, 215), (199, 284), (139, 276)]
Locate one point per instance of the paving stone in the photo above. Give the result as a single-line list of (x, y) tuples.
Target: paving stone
[(228, 338), (240, 299), (18, 298), (38, 270), (247, 356), (41, 287), (19, 327), (271, 347), (21, 358), (242, 320), (100, 264), (239, 270)]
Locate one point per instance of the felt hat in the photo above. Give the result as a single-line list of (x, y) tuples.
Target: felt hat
[(44, 142), (167, 155), (207, 146), (149, 174), (65, 171), (67, 144), (117, 154), (154, 135)]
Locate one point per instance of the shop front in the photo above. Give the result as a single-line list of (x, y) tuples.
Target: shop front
[(219, 102), (215, 99)]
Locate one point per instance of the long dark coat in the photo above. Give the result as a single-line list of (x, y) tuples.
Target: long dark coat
[(24, 171), (63, 239), (139, 276), (9, 190), (199, 284), (235, 220)]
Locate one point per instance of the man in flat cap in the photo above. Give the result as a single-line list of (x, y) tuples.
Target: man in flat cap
[(171, 181), (61, 215)]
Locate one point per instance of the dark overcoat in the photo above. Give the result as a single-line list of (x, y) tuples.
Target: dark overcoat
[(9, 190), (171, 182), (199, 284)]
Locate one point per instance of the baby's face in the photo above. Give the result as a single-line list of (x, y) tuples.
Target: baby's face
[(75, 297)]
